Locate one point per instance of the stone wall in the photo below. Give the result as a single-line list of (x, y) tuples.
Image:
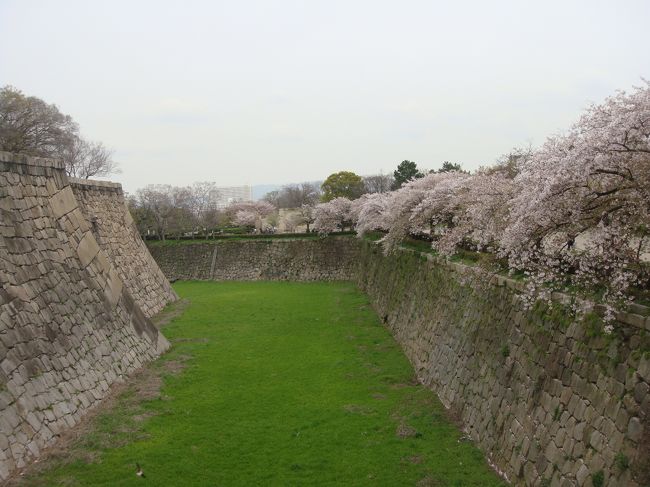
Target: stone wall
[(332, 258), (69, 327), (550, 401), (102, 204)]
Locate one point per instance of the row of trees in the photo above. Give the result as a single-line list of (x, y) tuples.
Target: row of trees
[(161, 211), (294, 195), (575, 212), (346, 184), (34, 127), (31, 126), (164, 210), (343, 183)]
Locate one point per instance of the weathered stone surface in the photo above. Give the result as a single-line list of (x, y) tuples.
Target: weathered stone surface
[(635, 429), (65, 327), (107, 216), (62, 202), (582, 475), (87, 249), (329, 259), (473, 342)]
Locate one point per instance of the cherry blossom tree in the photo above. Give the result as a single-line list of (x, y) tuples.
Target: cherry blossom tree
[(575, 212), (332, 216), (305, 216), (250, 213), (476, 212), (368, 213), (441, 205), (582, 216), (406, 212)]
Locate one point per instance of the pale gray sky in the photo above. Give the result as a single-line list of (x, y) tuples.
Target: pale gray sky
[(285, 91)]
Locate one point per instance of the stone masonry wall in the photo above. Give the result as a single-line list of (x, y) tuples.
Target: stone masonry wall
[(104, 208), (69, 327), (550, 401), (332, 258)]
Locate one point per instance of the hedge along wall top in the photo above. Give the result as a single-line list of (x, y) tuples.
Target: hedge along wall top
[(102, 204), (69, 326)]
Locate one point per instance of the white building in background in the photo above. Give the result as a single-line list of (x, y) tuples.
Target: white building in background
[(232, 194)]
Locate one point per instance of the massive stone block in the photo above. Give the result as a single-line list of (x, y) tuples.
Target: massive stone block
[(69, 326), (103, 206)]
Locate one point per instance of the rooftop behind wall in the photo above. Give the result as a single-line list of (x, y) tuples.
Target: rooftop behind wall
[(69, 326)]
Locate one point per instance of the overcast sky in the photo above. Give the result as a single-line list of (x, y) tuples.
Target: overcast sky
[(253, 92)]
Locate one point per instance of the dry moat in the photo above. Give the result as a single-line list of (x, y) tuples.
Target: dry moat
[(273, 384)]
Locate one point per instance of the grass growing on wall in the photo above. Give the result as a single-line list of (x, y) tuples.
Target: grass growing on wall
[(283, 384), (466, 257)]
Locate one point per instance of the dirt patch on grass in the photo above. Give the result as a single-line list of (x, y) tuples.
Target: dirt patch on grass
[(412, 382), (372, 367), (148, 388), (117, 420), (176, 366), (413, 459), (405, 431), (455, 415), (189, 340), (429, 482), (358, 409), (171, 311)]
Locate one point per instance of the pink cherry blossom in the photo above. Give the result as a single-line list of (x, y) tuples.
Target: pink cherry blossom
[(332, 216), (575, 212)]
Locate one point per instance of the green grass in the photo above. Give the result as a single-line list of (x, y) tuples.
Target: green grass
[(284, 384)]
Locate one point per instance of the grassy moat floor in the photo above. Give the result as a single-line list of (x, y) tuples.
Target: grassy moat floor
[(271, 383)]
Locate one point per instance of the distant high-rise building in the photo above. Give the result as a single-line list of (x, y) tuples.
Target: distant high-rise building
[(232, 194)]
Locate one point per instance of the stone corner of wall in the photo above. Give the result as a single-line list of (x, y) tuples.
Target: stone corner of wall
[(58, 268), (95, 184), (27, 160)]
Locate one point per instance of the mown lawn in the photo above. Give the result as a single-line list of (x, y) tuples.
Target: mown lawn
[(281, 384)]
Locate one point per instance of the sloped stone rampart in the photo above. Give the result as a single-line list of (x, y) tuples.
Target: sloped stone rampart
[(329, 259), (102, 204), (550, 401), (69, 327)]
